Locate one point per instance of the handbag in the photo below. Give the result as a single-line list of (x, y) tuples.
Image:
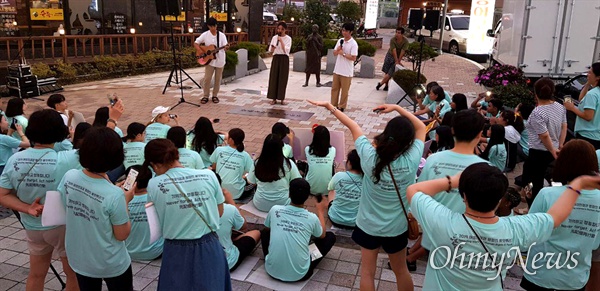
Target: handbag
[(483, 245), (413, 224)]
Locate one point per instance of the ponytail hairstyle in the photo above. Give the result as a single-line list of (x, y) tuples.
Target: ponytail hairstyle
[(321, 142), (496, 138), (159, 151), (133, 130), (397, 137), (354, 161), (514, 120), (544, 89), (177, 135), (269, 165), (205, 136), (238, 135)]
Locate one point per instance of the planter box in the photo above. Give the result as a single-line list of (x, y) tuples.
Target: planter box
[(376, 42)]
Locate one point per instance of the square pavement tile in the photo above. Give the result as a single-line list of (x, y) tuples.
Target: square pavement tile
[(6, 269), (136, 267), (240, 286), (334, 253), (337, 288), (18, 260), (314, 286), (327, 264), (350, 255), (7, 284), (8, 231), (347, 268), (152, 286), (6, 255), (139, 283), (388, 275), (322, 276), (19, 275), (18, 287), (258, 288), (357, 283), (149, 272), (418, 280), (340, 279), (387, 286)]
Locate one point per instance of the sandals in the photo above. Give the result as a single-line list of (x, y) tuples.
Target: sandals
[(204, 100), (215, 99), (274, 102)]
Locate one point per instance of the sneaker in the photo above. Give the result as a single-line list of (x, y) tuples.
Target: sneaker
[(385, 88), (378, 86)]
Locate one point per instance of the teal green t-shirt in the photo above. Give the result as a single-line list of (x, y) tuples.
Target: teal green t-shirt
[(231, 165), (440, 165), (427, 100), (497, 156), (156, 130), (344, 207), (190, 159), (64, 145), (93, 206), (452, 240), (320, 171), (288, 152), (589, 129), (231, 219), (134, 153), (203, 153), (119, 131), (138, 243), (7, 145), (524, 141), (379, 210), (21, 120), (447, 108), (269, 194), (43, 169), (578, 233), (291, 229), (177, 219)]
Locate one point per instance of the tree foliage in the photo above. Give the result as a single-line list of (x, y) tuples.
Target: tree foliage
[(290, 11), (348, 11), (414, 50), (317, 13)]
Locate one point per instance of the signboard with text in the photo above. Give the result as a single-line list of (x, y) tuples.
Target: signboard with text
[(219, 16), (181, 17), (8, 7), (371, 14), (482, 17), (46, 14)]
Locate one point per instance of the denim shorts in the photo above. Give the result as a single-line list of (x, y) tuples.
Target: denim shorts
[(197, 264)]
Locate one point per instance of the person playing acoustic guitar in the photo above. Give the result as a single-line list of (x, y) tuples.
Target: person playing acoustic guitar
[(213, 62)]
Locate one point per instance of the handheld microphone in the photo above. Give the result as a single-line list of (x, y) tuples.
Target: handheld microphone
[(341, 42)]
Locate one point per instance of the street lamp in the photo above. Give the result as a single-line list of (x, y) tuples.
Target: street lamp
[(292, 19), (140, 24), (190, 29), (61, 30), (239, 30), (132, 30)]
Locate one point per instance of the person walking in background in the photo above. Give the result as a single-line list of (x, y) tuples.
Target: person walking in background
[(314, 48), (218, 39), (587, 124), (346, 51), (398, 47), (280, 67)]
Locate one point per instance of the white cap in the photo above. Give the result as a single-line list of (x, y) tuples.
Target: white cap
[(159, 110)]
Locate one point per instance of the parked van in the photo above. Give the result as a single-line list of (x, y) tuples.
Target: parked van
[(269, 18)]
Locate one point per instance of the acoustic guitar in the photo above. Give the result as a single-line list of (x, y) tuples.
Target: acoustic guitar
[(208, 53)]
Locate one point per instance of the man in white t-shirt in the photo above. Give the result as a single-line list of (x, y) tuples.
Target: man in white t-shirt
[(219, 40), (346, 51)]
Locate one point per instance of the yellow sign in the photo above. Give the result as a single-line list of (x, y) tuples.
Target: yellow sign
[(219, 16), (181, 17), (46, 14)]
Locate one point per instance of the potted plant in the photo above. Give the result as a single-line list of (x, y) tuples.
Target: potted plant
[(500, 75), (231, 60), (513, 94)]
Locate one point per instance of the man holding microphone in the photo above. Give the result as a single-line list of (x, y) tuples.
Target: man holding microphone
[(346, 51), (280, 66)]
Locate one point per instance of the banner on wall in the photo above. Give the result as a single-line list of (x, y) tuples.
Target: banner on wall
[(481, 19), (8, 7), (219, 16), (46, 14), (371, 14), (181, 17)]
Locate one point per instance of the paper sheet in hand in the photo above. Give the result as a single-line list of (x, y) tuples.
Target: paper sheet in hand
[(153, 223), (315, 254), (252, 209), (54, 210)]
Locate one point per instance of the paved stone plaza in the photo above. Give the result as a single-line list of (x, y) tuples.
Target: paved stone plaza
[(340, 270)]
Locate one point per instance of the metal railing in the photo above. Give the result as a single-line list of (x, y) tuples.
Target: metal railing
[(74, 48)]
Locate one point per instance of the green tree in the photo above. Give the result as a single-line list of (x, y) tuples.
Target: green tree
[(290, 11), (348, 11), (414, 52), (316, 13)]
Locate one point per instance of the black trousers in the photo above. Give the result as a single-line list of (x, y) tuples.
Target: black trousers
[(123, 282), (595, 143), (512, 154), (534, 170), (529, 286), (323, 244)]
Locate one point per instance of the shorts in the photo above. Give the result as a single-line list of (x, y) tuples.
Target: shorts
[(42, 242), (390, 245), (596, 256), (245, 245)]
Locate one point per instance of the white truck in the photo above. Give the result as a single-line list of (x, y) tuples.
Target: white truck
[(548, 38)]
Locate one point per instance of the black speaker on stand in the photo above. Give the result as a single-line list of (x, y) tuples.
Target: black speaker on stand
[(415, 20), (432, 20)]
